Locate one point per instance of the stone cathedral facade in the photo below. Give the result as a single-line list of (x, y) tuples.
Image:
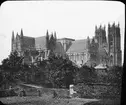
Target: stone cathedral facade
[(102, 48)]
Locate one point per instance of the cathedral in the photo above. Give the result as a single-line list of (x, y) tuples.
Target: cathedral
[(101, 49)]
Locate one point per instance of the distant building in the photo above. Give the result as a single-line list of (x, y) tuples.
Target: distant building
[(91, 52)]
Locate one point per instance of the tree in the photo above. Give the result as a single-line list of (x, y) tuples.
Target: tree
[(10, 68), (60, 71), (24, 73), (85, 75), (115, 74), (13, 63)]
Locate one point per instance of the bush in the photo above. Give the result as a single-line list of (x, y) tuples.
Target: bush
[(3, 93), (97, 91), (12, 93), (7, 93), (84, 91), (85, 75), (22, 93)]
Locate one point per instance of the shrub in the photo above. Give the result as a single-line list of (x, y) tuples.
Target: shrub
[(97, 91), (3, 93), (6, 93), (12, 93)]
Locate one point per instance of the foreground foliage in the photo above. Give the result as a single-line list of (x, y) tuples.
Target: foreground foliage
[(60, 71), (56, 72)]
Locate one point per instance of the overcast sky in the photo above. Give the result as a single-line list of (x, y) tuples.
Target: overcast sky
[(72, 19)]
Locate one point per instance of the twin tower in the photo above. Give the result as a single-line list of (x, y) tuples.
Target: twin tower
[(112, 43)]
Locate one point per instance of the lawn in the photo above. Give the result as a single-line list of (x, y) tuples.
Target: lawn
[(32, 98), (46, 100)]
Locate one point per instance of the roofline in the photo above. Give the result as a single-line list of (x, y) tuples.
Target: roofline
[(28, 36), (40, 36), (66, 38)]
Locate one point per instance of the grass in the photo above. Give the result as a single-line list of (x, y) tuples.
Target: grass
[(32, 98), (45, 100), (102, 102)]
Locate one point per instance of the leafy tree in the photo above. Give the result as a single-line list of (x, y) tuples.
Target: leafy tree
[(24, 73), (11, 66), (60, 72), (115, 74), (13, 63), (85, 75)]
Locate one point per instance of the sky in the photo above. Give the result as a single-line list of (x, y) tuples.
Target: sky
[(71, 19)]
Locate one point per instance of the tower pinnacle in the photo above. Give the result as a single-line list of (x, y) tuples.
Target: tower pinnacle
[(55, 35), (21, 33), (12, 35)]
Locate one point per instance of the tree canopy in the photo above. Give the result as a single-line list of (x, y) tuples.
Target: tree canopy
[(60, 71), (115, 74), (85, 75), (13, 63)]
